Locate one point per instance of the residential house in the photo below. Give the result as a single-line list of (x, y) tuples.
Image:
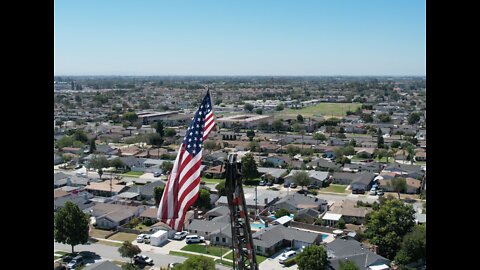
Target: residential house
[(364, 152), (317, 177), (307, 215), (373, 167), (206, 227), (129, 150), (348, 249), (335, 142), (146, 191), (350, 212), (296, 202), (106, 188), (150, 214), (109, 216), (413, 185), (216, 171), (77, 196), (406, 170), (268, 147), (217, 212), (324, 165), (420, 155), (362, 182), (60, 179), (265, 199), (271, 239), (214, 158), (278, 161), (275, 173)]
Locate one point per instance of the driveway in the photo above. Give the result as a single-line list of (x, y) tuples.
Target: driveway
[(165, 249), (273, 264)]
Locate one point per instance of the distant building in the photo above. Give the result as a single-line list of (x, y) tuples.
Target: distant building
[(246, 121)]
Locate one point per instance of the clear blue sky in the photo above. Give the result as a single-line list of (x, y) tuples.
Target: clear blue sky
[(233, 37)]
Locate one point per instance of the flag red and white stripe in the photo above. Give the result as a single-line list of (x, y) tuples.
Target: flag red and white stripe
[(183, 184)]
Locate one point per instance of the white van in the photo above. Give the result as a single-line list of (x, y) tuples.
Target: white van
[(287, 255)]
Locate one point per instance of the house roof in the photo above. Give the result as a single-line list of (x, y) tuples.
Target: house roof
[(114, 212), (105, 186), (58, 193), (219, 211), (363, 177), (316, 175), (341, 249), (150, 213), (271, 235), (301, 201), (216, 169), (332, 216), (128, 195), (348, 208), (275, 172), (147, 189), (103, 265), (308, 212)]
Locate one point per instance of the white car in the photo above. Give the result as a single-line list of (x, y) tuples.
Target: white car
[(194, 239), (180, 235), (287, 255), (141, 238)]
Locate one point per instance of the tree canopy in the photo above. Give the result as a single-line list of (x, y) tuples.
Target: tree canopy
[(282, 212), (387, 226), (70, 225), (301, 178), (248, 107), (157, 194), (197, 263), (413, 247), (203, 200), (348, 265), (249, 167), (312, 258), (128, 250)]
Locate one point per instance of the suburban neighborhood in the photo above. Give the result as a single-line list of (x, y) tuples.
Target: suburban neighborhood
[(323, 159)]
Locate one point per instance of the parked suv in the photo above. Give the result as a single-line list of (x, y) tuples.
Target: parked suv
[(194, 239), (142, 259)]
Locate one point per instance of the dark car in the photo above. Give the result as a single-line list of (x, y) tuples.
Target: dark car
[(312, 186), (286, 185)]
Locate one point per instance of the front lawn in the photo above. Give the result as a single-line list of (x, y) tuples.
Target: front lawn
[(335, 188), (210, 250), (99, 233), (260, 258), (183, 254), (121, 236), (211, 180), (133, 174)]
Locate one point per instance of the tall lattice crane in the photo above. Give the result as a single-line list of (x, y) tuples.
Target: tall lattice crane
[(243, 250)]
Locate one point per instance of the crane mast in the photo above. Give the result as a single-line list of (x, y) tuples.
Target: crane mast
[(243, 251)]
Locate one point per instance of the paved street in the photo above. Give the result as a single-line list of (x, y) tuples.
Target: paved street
[(111, 253)]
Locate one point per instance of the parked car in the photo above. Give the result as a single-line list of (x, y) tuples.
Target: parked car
[(194, 239), (262, 183), (380, 192), (156, 174), (373, 191), (146, 238), (286, 185), (293, 185), (142, 259), (75, 262), (180, 235), (141, 238), (288, 255), (312, 186)]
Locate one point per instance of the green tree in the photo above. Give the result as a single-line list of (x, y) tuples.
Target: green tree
[(263, 125), (341, 223), (220, 187), (254, 146), (300, 118), (250, 134), (277, 125), (319, 137), (297, 127), (312, 258), (248, 107), (166, 166), (130, 116), (282, 212), (292, 150), (70, 225), (413, 247), (413, 118), (129, 250), (155, 139), (209, 145), (203, 200), (158, 193), (380, 141), (352, 143), (117, 163), (98, 162), (259, 111), (159, 129), (93, 147), (384, 118), (249, 167), (387, 226), (395, 144), (279, 107), (399, 184), (301, 178), (170, 132), (197, 263), (348, 265), (79, 135)]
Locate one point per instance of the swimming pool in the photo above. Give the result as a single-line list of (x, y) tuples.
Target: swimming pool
[(257, 226)]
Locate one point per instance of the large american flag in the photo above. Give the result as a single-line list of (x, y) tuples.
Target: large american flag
[(183, 184)]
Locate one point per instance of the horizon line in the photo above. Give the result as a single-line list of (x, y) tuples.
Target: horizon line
[(192, 75)]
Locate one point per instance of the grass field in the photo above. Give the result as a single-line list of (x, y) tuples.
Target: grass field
[(200, 248), (335, 188), (211, 180), (183, 254), (121, 236), (322, 109)]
